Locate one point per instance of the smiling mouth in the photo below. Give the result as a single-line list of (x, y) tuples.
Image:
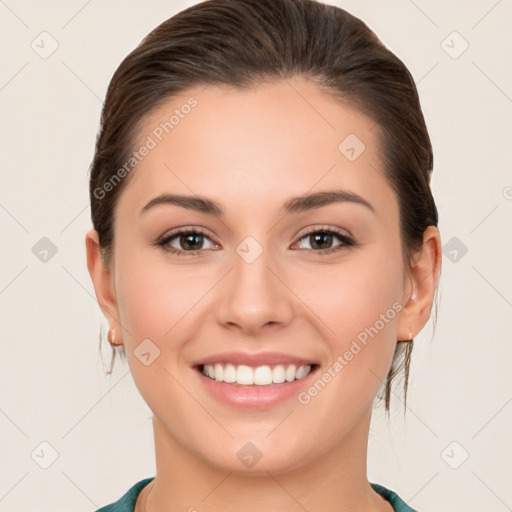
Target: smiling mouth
[(265, 375)]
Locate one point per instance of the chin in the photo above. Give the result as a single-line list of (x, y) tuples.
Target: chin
[(250, 461)]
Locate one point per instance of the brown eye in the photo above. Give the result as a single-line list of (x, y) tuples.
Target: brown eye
[(191, 241), (321, 241), (188, 241)]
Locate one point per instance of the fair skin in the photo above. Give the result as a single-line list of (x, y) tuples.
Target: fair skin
[(251, 151)]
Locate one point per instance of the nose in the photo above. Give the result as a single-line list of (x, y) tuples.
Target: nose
[(254, 296)]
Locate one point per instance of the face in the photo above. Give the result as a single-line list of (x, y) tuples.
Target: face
[(265, 280)]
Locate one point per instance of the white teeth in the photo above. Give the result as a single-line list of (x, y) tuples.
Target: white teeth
[(278, 374), (290, 373), (219, 372), (229, 373), (301, 372), (261, 375), (244, 375)]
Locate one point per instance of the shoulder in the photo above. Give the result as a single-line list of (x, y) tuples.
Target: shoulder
[(397, 503), (127, 502)]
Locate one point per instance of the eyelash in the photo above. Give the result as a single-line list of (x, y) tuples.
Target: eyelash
[(347, 242)]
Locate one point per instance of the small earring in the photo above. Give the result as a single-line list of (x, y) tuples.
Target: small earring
[(111, 336), (410, 334)]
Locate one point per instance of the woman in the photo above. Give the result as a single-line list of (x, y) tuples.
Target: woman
[(265, 248)]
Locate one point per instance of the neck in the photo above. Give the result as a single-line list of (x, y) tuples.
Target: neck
[(185, 482)]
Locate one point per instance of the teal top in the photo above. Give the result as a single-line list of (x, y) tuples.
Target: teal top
[(127, 502)]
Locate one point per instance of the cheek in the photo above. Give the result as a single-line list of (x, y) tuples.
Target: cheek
[(359, 309), (148, 296), (153, 299), (358, 304), (156, 302), (353, 294)]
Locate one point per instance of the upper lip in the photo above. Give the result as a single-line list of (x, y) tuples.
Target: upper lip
[(252, 359)]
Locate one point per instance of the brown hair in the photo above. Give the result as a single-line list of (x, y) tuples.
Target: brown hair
[(243, 43)]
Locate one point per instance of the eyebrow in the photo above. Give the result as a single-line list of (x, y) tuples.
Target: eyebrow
[(293, 205)]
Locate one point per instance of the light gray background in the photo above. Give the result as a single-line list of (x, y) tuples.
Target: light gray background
[(52, 384)]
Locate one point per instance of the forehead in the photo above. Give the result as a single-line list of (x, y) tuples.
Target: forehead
[(251, 147)]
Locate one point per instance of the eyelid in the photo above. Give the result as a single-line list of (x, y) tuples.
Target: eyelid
[(185, 229), (324, 227)]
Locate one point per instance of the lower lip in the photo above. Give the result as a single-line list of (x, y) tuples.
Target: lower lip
[(256, 397)]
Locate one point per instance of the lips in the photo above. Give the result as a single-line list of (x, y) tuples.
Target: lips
[(243, 393)]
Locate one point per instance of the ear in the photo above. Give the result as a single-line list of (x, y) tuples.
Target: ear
[(421, 285), (103, 281)]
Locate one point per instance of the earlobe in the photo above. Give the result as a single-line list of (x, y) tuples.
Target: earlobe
[(424, 277), (102, 279)]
